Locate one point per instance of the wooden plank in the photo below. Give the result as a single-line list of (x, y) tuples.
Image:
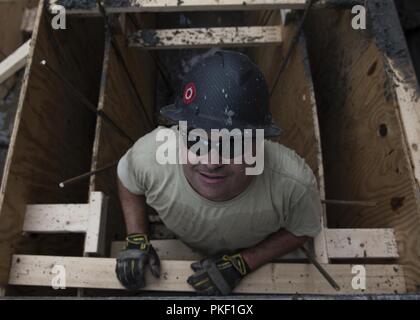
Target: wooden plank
[(361, 243), (174, 249), (206, 37), (87, 218), (341, 244), (54, 218), (271, 278), (364, 143), (14, 62), (90, 7), (95, 226)]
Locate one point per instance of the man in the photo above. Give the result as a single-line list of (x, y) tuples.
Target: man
[(239, 221)]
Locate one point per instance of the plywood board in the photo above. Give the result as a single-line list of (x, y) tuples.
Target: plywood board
[(41, 218), (361, 243), (364, 146)]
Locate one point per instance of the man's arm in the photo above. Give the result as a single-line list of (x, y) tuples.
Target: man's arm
[(134, 209), (138, 254), (220, 275), (276, 245)]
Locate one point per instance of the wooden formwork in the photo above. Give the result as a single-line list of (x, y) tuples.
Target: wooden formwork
[(368, 99), (52, 136), (65, 139)]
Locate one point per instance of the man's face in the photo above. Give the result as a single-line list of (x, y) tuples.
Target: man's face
[(215, 180)]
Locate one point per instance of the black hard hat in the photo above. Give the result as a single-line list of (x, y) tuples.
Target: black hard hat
[(224, 90)]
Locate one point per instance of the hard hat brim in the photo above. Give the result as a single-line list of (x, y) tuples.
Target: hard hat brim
[(174, 113)]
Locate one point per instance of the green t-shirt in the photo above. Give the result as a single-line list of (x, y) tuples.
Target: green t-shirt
[(285, 195)]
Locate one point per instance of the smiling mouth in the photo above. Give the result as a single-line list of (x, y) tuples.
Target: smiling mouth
[(212, 178)]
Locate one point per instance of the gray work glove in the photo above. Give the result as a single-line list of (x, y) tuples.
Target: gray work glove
[(133, 261), (218, 275)]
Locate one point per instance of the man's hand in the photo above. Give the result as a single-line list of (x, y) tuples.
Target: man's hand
[(132, 262), (218, 275)]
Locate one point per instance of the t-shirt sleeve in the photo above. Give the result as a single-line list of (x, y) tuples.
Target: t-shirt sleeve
[(129, 174), (304, 218)]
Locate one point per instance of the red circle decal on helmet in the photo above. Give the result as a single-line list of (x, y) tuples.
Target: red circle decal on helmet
[(189, 93)]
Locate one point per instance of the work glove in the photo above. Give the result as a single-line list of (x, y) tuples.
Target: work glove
[(133, 261), (218, 275)]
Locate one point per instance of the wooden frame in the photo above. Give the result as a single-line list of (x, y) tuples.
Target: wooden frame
[(386, 233), (366, 244), (87, 218), (271, 278), (53, 132), (206, 37), (185, 5), (368, 120)]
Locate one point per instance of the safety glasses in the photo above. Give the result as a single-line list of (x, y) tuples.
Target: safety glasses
[(229, 147)]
